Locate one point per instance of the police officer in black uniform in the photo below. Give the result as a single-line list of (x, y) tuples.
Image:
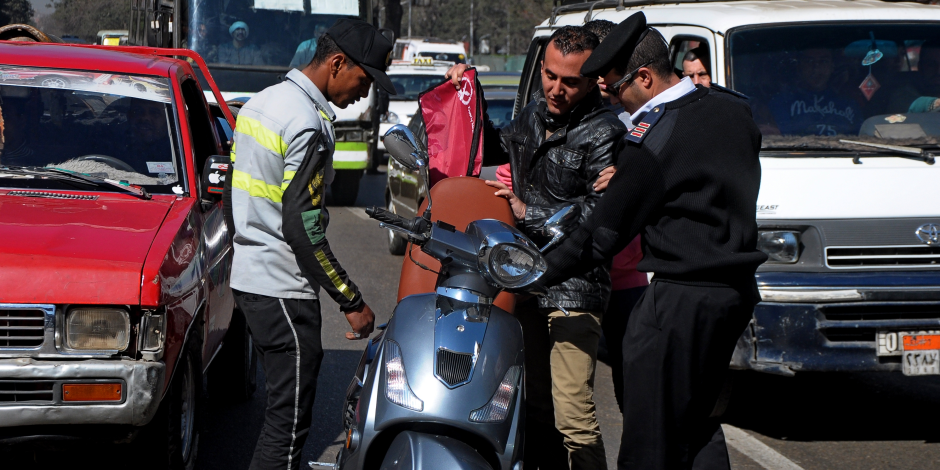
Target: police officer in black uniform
[(687, 180)]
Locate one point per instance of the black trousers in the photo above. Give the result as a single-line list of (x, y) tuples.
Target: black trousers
[(286, 333), (676, 351), (614, 325)]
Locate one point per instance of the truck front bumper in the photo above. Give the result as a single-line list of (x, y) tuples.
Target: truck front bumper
[(31, 391), (787, 337)]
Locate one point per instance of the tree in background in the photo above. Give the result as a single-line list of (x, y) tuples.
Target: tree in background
[(16, 12), (84, 18)]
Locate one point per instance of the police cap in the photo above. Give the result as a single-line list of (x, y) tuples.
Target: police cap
[(618, 46), (365, 46)]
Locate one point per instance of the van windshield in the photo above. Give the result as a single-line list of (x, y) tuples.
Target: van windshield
[(119, 127), (811, 86)]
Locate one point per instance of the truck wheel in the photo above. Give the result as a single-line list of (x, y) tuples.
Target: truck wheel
[(171, 439), (396, 245), (234, 371), (345, 187)]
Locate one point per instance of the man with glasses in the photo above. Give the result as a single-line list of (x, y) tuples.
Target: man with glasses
[(687, 180)]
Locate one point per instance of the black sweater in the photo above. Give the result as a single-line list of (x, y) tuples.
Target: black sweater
[(690, 188)]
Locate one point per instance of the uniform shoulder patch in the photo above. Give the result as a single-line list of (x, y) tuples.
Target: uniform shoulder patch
[(638, 133)]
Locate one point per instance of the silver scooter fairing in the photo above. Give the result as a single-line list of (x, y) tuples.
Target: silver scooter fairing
[(422, 325)]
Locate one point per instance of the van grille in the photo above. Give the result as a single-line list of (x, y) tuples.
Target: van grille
[(453, 368), (21, 328), (22, 391), (917, 256)]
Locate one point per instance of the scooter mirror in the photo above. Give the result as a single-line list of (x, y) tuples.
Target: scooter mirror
[(404, 148), (557, 225)]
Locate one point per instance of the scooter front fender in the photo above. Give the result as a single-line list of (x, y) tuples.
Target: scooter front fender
[(418, 451)]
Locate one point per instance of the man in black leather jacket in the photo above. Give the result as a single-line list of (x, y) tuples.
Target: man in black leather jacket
[(557, 147)]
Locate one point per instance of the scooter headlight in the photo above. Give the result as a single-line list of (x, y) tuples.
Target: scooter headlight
[(512, 266), (397, 389), (496, 410)]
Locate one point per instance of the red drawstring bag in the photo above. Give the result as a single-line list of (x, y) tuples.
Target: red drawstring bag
[(451, 121)]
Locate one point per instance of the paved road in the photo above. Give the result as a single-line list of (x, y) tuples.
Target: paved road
[(833, 421)]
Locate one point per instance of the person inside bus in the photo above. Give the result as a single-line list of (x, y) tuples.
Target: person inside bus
[(202, 46), (697, 66), (239, 51), (306, 49), (813, 106)]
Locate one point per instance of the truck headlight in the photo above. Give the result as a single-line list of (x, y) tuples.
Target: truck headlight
[(94, 328), (496, 410), (397, 389), (354, 136), (392, 118), (780, 246), (513, 266)]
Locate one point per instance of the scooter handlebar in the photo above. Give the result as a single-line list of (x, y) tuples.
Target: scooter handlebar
[(387, 217)]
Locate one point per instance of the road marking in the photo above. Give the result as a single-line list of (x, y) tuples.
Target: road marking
[(756, 450), (359, 212)]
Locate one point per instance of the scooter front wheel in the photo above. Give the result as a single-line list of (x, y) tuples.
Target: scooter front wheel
[(418, 451)]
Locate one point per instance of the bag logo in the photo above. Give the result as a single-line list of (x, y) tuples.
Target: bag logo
[(465, 94)]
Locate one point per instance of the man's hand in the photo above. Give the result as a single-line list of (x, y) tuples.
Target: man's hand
[(518, 207), (362, 321), (455, 73), (603, 179)]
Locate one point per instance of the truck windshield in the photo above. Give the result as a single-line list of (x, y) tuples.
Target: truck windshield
[(258, 36), (811, 86), (106, 125)]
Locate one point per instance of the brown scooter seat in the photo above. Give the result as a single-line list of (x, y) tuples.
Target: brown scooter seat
[(457, 201)]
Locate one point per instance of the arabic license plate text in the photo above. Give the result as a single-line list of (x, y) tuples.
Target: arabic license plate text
[(921, 362)]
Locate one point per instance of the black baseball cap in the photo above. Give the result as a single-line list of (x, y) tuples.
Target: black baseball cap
[(365, 46), (617, 46)]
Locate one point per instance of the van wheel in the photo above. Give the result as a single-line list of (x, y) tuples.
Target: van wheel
[(171, 439), (234, 371), (396, 245), (345, 187)]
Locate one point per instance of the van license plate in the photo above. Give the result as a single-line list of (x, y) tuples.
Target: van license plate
[(921, 362), (894, 343)]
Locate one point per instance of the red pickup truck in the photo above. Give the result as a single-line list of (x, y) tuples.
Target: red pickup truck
[(114, 251)]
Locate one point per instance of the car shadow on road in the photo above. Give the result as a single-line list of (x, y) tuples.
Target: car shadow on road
[(231, 430), (886, 406)]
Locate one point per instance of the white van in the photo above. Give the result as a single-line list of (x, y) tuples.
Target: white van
[(852, 230), (408, 48)]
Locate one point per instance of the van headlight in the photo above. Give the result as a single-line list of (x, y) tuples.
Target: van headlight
[(511, 265), (780, 246), (95, 328)]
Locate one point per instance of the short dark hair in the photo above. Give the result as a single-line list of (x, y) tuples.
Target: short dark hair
[(600, 28), (574, 39), (326, 48), (699, 53), (652, 50)]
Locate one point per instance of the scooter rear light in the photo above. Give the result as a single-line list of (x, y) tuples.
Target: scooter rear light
[(496, 410), (397, 389)]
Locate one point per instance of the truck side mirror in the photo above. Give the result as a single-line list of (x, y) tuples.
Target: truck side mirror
[(213, 177)]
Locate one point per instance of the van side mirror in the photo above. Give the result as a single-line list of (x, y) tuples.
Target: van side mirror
[(213, 177)]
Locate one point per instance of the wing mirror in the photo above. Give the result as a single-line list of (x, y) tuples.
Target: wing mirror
[(213, 177), (404, 148), (557, 226), (402, 145)]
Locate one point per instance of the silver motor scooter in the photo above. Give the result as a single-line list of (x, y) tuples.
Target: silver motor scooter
[(441, 386)]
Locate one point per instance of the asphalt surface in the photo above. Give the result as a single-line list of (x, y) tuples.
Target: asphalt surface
[(812, 421)]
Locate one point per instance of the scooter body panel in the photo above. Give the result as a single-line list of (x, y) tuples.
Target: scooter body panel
[(415, 328)]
